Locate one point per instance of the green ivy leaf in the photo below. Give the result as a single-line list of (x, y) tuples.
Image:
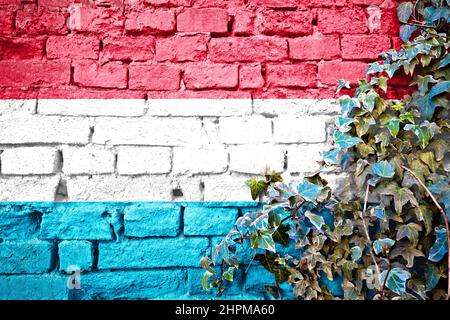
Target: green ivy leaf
[(262, 239), (444, 62), (401, 195), (393, 126), (408, 253), (348, 104), (331, 157), (356, 253), (228, 275), (410, 231), (345, 141), (396, 280), (205, 263), (440, 247), (383, 169), (424, 132), (404, 11), (316, 220), (432, 276), (406, 32), (343, 124), (256, 187), (382, 245), (309, 191), (205, 278)]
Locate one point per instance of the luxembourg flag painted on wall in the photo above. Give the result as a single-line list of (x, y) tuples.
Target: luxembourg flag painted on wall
[(129, 127)]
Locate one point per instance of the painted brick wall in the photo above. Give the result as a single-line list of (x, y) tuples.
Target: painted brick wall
[(142, 48), (159, 110)]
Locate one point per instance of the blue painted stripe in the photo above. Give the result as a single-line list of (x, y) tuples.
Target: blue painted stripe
[(124, 250)]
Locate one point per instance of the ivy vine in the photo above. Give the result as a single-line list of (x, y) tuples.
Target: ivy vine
[(383, 232)]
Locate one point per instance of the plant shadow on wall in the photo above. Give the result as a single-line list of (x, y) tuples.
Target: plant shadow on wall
[(383, 232)]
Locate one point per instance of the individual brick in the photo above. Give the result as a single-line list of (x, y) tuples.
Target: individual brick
[(92, 74), (33, 21), (204, 221), (21, 48), (6, 22), (343, 21), (142, 284), (298, 75), (88, 221), (255, 158), (44, 130), (285, 23), (162, 132), (199, 160), (331, 71), (304, 158), (151, 21), (32, 73), (244, 22), (88, 160), (75, 254), (212, 20), (19, 223), (96, 20), (314, 48), (26, 257), (36, 287), (245, 130), (111, 188), (152, 220), (211, 76), (364, 46), (143, 160), (154, 77), (28, 189), (250, 77), (276, 4), (29, 160), (297, 130), (151, 253), (182, 48), (55, 3), (252, 49), (77, 47), (226, 188), (141, 48)]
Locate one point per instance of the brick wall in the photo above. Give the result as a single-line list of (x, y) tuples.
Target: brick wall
[(142, 48), (159, 111)]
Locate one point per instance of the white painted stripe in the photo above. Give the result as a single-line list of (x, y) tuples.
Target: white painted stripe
[(155, 150)]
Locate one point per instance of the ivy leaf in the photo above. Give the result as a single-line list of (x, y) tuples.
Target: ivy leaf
[(348, 104), (383, 169), (408, 253), (345, 141), (309, 191), (396, 280), (393, 126), (410, 230), (382, 83), (404, 11), (444, 62), (424, 132), (406, 32), (377, 212), (356, 253), (432, 276), (440, 247), (205, 263), (342, 84), (205, 278), (382, 245), (343, 124), (228, 275), (407, 116), (256, 187), (401, 195), (262, 239), (316, 220), (331, 157)]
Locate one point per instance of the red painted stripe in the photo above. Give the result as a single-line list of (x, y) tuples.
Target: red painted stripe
[(189, 48)]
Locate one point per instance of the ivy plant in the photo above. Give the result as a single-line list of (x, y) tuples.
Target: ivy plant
[(383, 232)]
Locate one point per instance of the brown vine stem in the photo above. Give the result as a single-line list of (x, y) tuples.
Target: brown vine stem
[(366, 230), (384, 283), (441, 210)]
